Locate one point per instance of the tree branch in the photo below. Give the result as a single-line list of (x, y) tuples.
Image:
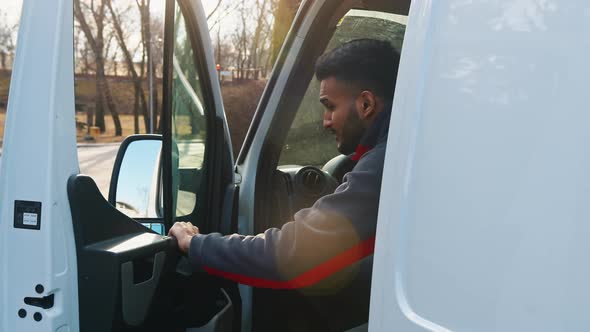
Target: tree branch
[(84, 25), (228, 10), (214, 9)]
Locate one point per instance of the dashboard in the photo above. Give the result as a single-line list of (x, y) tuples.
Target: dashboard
[(297, 187)]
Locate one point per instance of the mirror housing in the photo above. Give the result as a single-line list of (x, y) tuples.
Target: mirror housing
[(135, 187)]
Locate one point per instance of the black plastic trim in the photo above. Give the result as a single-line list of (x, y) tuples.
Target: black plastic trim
[(45, 302), (102, 235), (217, 170), (166, 117)]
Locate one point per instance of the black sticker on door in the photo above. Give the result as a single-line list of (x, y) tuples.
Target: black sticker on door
[(27, 215)]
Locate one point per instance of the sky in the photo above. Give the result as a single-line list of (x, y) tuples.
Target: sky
[(12, 9)]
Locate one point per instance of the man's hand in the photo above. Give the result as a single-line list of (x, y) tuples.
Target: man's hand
[(183, 232)]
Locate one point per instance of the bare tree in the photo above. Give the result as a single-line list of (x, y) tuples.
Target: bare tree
[(241, 38), (108, 49), (249, 44), (223, 14), (82, 52), (96, 43), (214, 10), (266, 51), (257, 42), (223, 50), (152, 37), (6, 40), (137, 80), (284, 15)]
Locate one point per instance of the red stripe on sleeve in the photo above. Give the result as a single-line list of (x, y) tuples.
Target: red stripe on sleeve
[(310, 277)]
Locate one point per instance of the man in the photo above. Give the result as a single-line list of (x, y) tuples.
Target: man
[(357, 85)]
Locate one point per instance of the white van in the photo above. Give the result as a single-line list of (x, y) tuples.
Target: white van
[(482, 219)]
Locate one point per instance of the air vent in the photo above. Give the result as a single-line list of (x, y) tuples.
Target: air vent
[(312, 179), (287, 182)]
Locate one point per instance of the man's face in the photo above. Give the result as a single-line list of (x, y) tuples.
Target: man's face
[(341, 116)]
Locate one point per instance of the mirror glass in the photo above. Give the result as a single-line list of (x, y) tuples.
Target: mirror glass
[(137, 185)]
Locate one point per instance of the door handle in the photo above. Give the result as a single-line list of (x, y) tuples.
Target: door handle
[(137, 298)]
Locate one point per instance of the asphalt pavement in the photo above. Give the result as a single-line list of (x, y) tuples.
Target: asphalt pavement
[(96, 161)]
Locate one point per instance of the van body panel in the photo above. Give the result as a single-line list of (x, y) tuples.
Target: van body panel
[(37, 246), (483, 222)]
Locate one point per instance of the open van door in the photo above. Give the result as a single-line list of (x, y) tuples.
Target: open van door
[(38, 267), (70, 260)]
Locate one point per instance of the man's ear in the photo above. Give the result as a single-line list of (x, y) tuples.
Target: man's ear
[(366, 104)]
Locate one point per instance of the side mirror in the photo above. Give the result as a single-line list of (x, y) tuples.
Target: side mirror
[(135, 183)]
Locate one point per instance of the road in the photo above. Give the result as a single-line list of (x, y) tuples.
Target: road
[(96, 160)]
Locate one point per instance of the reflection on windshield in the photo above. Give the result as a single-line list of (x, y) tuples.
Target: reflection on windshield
[(308, 143)]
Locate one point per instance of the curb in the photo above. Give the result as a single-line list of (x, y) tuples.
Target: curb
[(88, 145), (97, 145)]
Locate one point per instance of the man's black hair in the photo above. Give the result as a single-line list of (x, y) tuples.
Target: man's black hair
[(366, 64)]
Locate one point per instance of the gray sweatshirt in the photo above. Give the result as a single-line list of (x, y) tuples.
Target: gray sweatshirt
[(334, 234)]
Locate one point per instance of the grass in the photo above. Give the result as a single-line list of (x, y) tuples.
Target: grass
[(109, 135)]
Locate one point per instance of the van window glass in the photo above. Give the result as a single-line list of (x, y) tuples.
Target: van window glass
[(189, 125), (308, 143), (118, 78)]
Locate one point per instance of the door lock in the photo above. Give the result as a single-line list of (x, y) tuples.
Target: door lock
[(45, 302)]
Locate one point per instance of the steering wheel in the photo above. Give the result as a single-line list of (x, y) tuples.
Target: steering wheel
[(338, 166)]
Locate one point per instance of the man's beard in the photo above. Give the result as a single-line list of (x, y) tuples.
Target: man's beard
[(352, 132)]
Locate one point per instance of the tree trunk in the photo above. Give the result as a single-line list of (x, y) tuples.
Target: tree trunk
[(146, 39), (90, 118), (139, 93), (97, 46), (100, 85), (115, 65), (112, 107), (136, 113), (157, 115), (100, 75), (254, 54)]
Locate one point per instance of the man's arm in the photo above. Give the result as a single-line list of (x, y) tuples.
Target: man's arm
[(335, 232)]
